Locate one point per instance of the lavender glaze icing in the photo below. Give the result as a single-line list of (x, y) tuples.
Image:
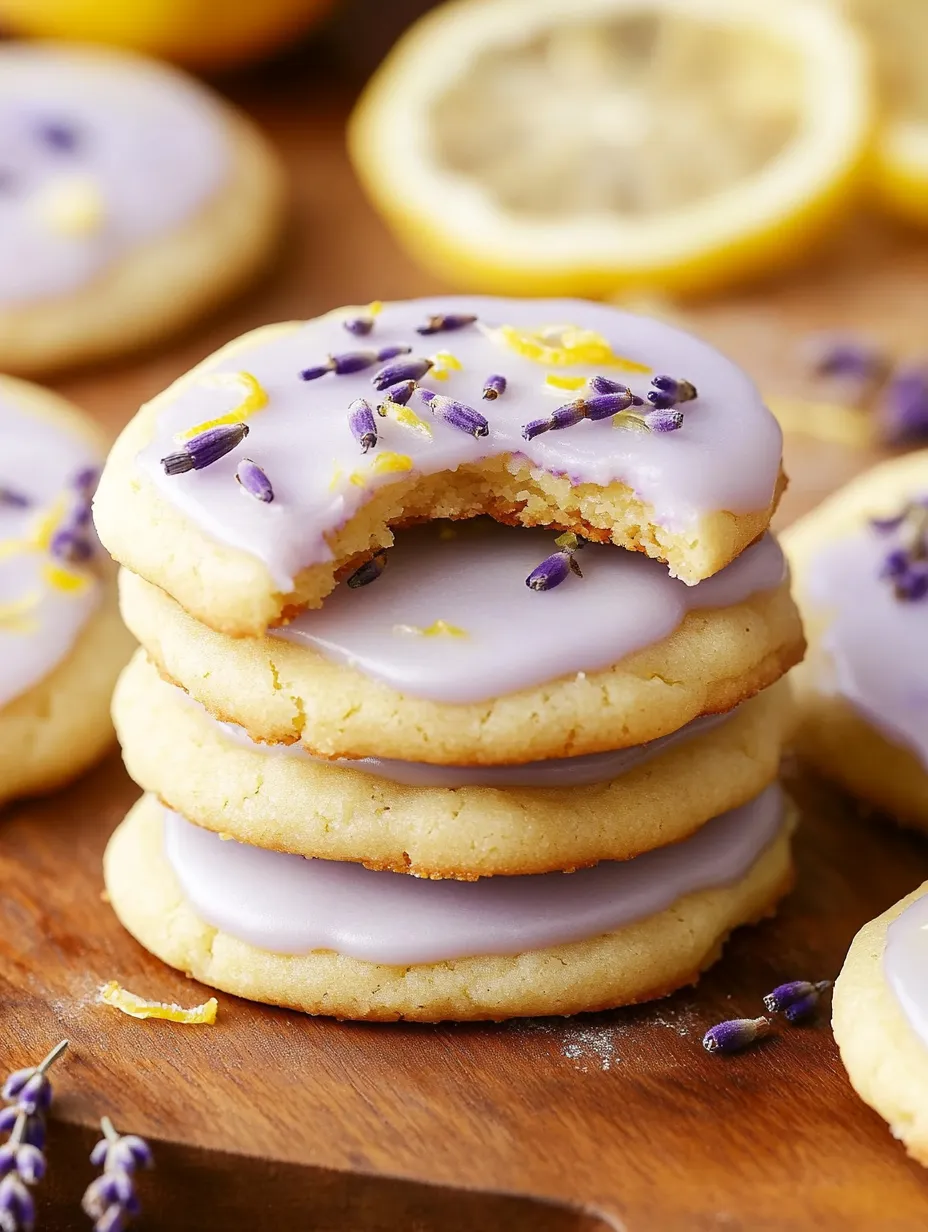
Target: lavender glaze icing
[(905, 962), (98, 155), (291, 905), (725, 457), (514, 638), (560, 772), (876, 645), (39, 621)]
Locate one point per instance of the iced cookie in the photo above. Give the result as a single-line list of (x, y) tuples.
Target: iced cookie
[(880, 1018), (860, 564), (448, 657), (278, 462), (444, 821), (131, 201), (62, 642), (339, 939)]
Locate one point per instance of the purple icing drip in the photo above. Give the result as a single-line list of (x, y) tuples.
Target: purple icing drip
[(517, 638), (876, 643), (291, 905)]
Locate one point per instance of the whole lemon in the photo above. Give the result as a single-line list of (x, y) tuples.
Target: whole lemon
[(197, 33)]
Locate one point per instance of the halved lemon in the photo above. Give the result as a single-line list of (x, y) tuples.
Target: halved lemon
[(536, 147), (898, 32)]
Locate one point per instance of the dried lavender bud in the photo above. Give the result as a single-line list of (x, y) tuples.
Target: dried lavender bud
[(606, 385), (359, 326), (205, 449), (903, 412), (796, 992), (362, 425), (70, 546), (17, 1207), (405, 370), (369, 572), (353, 361), (493, 386), (445, 322), (398, 394), (456, 414), (668, 391), (913, 584), (254, 481), (21, 1160), (13, 499), (554, 568), (58, 135), (663, 420), (735, 1034), (603, 406), (111, 1200), (856, 359)]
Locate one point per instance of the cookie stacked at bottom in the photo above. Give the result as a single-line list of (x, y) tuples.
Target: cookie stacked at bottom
[(407, 772)]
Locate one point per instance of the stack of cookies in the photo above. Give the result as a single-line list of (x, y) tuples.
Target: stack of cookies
[(437, 602)]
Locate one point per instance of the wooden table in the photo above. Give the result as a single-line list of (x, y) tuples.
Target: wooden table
[(619, 1119)]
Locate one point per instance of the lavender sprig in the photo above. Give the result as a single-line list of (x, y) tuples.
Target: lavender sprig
[(493, 387), (362, 425), (73, 540), (603, 406), (369, 572), (456, 414), (404, 370), (441, 323), (254, 481), (555, 568), (668, 391), (352, 361), (903, 410), (797, 999), (735, 1034), (205, 449), (110, 1200), (28, 1093)]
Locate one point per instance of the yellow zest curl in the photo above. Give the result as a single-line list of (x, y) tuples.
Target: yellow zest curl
[(386, 463), (443, 364), (16, 615), (406, 417), (63, 579), (73, 207), (138, 1007), (374, 308), (563, 346), (553, 381), (255, 398), (438, 628)]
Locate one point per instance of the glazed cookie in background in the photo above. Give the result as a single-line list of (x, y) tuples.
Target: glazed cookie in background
[(339, 939), (860, 570), (62, 642), (448, 657), (880, 1019), (444, 821), (554, 413), (132, 200)]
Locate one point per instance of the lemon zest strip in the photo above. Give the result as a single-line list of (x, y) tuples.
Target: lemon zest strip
[(438, 628), (15, 613), (443, 364), (406, 417), (576, 346), (255, 398), (386, 463), (63, 579), (138, 1007), (554, 381)]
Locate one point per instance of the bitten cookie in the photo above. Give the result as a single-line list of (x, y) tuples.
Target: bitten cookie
[(880, 1019), (449, 658), (131, 201), (555, 413), (860, 564), (444, 821), (339, 939), (62, 642)]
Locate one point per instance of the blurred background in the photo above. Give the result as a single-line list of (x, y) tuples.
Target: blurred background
[(757, 171)]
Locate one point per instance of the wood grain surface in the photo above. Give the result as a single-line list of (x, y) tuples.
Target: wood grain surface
[(620, 1119)]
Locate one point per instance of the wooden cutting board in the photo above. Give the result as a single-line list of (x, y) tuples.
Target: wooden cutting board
[(607, 1121)]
